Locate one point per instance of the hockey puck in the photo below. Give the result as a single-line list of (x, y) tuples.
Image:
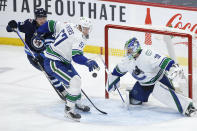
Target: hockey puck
[(94, 75)]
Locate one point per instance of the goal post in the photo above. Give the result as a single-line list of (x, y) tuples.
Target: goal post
[(154, 30)]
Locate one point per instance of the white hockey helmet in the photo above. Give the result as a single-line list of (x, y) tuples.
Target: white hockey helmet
[(132, 47), (86, 26), (85, 22)]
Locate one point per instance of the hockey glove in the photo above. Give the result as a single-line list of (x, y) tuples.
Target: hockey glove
[(113, 82), (91, 64), (175, 72), (11, 26)]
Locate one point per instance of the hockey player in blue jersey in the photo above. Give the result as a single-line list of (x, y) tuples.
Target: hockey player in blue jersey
[(68, 47), (153, 73), (29, 27)]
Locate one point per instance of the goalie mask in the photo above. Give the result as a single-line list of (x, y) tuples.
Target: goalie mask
[(132, 48), (85, 26)]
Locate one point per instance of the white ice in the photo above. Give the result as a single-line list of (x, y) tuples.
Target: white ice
[(29, 103)]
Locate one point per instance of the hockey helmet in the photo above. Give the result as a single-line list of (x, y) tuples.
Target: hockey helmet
[(132, 47), (40, 12), (85, 24)]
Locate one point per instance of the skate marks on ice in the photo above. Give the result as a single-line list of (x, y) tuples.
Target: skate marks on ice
[(5, 69), (118, 114)]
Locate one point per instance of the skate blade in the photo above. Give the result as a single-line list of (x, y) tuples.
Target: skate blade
[(73, 119), (81, 111)]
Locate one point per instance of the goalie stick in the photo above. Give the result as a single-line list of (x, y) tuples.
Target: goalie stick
[(60, 95), (108, 74)]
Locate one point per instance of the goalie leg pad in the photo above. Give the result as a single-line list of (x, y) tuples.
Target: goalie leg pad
[(141, 93), (168, 97), (166, 81)]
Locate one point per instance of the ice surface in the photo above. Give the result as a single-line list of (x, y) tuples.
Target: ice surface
[(29, 103)]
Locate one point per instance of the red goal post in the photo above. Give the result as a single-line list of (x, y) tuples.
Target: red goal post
[(149, 29)]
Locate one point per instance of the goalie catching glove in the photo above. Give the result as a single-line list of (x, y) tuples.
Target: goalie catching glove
[(113, 82), (175, 72)]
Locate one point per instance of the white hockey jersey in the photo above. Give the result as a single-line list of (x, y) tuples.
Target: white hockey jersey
[(68, 41), (147, 68)]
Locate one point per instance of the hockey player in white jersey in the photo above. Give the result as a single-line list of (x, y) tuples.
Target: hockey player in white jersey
[(153, 73), (68, 46)]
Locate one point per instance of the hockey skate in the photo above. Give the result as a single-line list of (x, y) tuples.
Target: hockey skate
[(71, 114), (81, 107), (191, 110), (133, 101)]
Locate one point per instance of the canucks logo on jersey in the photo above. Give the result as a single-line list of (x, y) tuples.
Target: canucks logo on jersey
[(138, 74)]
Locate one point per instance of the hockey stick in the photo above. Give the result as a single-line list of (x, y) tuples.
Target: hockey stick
[(108, 74), (60, 95), (92, 102)]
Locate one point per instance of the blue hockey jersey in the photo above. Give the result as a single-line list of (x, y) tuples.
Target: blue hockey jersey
[(29, 27)]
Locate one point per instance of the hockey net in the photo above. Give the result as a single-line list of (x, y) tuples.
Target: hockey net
[(176, 43)]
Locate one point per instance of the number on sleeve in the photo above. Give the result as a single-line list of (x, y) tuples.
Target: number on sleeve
[(64, 37), (157, 56)]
